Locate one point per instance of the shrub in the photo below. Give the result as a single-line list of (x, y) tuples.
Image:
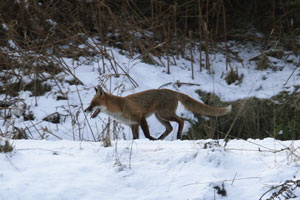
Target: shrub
[(251, 118), (6, 147)]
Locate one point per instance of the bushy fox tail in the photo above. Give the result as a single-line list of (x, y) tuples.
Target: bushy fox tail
[(198, 107)]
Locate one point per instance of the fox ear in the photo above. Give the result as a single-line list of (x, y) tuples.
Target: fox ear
[(96, 90), (99, 91)]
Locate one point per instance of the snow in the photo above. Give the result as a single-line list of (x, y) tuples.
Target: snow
[(261, 84), (78, 167), (143, 169)]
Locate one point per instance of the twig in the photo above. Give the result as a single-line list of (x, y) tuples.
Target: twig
[(286, 188), (40, 149), (234, 178), (130, 154), (178, 84), (290, 76), (12, 164), (148, 50), (224, 180), (81, 106), (134, 83)]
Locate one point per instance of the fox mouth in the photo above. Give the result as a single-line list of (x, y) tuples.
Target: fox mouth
[(95, 113)]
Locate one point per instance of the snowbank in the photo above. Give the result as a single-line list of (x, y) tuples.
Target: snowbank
[(145, 169)]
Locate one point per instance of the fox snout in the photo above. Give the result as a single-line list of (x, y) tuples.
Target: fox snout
[(90, 109), (87, 109)]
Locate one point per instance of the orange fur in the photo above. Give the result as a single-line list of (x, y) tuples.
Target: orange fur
[(135, 108)]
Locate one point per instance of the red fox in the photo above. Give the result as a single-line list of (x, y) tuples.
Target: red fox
[(135, 108)]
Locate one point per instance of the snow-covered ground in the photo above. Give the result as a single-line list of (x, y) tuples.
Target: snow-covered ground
[(69, 164), (77, 126), (143, 169)]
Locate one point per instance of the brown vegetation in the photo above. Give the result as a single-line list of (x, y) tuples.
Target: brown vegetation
[(36, 34), (251, 118)]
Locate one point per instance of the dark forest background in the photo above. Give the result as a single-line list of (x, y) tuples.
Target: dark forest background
[(138, 26), (55, 29)]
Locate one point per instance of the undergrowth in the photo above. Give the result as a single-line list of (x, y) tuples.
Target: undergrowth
[(251, 118), (5, 146), (36, 36)]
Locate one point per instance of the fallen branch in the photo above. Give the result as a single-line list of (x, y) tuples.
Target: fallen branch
[(178, 84), (286, 190)]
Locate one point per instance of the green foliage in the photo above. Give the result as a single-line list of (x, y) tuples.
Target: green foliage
[(286, 131), (292, 3)]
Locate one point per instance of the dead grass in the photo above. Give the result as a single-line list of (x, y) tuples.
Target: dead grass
[(233, 76), (36, 87), (36, 36), (7, 147), (251, 118)]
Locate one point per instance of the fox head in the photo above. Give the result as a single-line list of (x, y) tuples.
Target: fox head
[(97, 102)]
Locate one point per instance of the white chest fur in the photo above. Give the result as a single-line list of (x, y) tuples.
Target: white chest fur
[(117, 115)]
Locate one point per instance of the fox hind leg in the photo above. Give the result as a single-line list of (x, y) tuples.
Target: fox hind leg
[(166, 124), (180, 125), (145, 128), (135, 131), (174, 118)]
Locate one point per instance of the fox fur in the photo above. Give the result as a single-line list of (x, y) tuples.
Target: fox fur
[(135, 108)]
